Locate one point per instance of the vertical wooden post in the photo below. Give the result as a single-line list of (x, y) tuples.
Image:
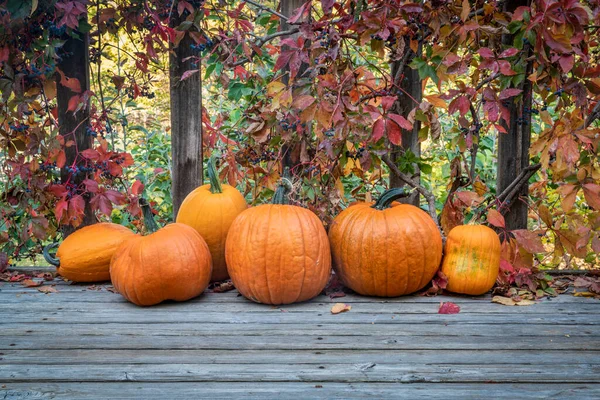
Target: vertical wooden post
[(186, 121), (74, 63), (513, 146), (287, 7), (408, 88)]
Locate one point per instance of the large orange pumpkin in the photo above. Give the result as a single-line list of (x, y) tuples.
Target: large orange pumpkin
[(84, 256), (210, 210), (385, 249), (172, 263), (278, 253), (471, 259)]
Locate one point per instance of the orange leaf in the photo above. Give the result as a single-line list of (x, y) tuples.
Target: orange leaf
[(340, 308), (496, 219)]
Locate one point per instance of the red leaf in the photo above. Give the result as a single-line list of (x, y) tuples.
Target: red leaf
[(101, 203), (505, 68), (401, 121), (508, 93), (496, 219), (137, 187), (566, 63), (91, 154), (61, 207), (61, 159), (91, 185), (71, 83), (461, 103), (394, 133), (486, 53), (299, 13), (387, 102), (115, 197), (591, 192), (327, 5), (529, 240), (378, 130), (188, 73), (509, 52), (73, 102), (448, 308)]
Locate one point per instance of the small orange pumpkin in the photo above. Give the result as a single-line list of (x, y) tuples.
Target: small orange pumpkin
[(471, 259), (385, 249), (84, 256), (210, 210), (173, 263), (278, 253)]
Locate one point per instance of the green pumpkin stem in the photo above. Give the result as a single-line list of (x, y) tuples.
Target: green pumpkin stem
[(388, 197), (284, 188), (215, 185), (50, 259), (149, 221)]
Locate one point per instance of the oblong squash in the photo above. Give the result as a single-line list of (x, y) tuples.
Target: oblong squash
[(84, 256)]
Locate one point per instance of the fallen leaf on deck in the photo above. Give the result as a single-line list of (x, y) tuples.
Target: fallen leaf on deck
[(30, 283), (340, 308), (335, 295), (47, 289), (223, 287), (448, 308), (364, 367), (584, 294), (507, 301)]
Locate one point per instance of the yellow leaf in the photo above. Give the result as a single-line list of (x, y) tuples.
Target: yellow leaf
[(340, 308), (437, 101), (466, 9), (340, 187), (507, 301), (275, 87)]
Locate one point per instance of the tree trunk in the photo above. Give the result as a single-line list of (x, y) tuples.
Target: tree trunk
[(513, 146), (186, 122), (287, 7), (74, 64), (408, 88)]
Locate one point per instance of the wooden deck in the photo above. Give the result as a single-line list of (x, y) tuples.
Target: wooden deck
[(82, 343)]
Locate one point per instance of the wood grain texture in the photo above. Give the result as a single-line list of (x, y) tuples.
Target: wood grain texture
[(91, 344)]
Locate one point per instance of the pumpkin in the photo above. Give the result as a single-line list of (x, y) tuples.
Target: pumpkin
[(173, 263), (84, 256), (471, 259), (385, 249), (210, 210), (278, 253)]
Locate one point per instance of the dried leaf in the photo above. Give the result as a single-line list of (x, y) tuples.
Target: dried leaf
[(340, 308), (31, 283), (47, 289), (507, 301)]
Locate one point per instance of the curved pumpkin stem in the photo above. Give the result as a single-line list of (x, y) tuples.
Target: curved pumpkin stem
[(149, 221), (284, 188), (52, 260), (388, 197), (215, 185)]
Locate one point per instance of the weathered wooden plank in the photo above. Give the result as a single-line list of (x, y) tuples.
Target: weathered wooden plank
[(295, 390), (363, 372), (311, 307), (173, 356), (293, 342), (326, 329), (145, 316)]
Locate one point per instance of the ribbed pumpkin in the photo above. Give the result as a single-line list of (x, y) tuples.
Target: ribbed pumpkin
[(471, 259), (385, 249), (172, 263), (84, 256), (210, 210), (278, 253)]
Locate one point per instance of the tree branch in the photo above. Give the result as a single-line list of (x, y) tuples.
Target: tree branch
[(511, 190), (426, 193), (594, 115)]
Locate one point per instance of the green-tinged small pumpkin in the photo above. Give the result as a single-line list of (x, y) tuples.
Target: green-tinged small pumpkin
[(385, 249), (210, 210), (278, 253), (471, 259), (84, 256), (173, 263)]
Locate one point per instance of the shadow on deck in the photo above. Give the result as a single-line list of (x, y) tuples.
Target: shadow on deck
[(84, 343)]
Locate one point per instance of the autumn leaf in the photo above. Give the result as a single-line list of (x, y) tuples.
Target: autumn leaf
[(47, 289), (496, 219), (188, 73), (340, 308), (530, 241), (507, 301), (448, 308), (31, 283)]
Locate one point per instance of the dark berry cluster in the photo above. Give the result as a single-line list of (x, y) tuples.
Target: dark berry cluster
[(148, 23), (329, 132), (559, 92), (90, 132), (522, 121), (356, 155), (527, 110), (285, 125), (47, 167), (19, 128), (323, 38), (203, 46)]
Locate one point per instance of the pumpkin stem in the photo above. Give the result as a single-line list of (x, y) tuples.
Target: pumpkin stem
[(284, 188), (52, 260), (149, 221), (215, 185), (386, 199)]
